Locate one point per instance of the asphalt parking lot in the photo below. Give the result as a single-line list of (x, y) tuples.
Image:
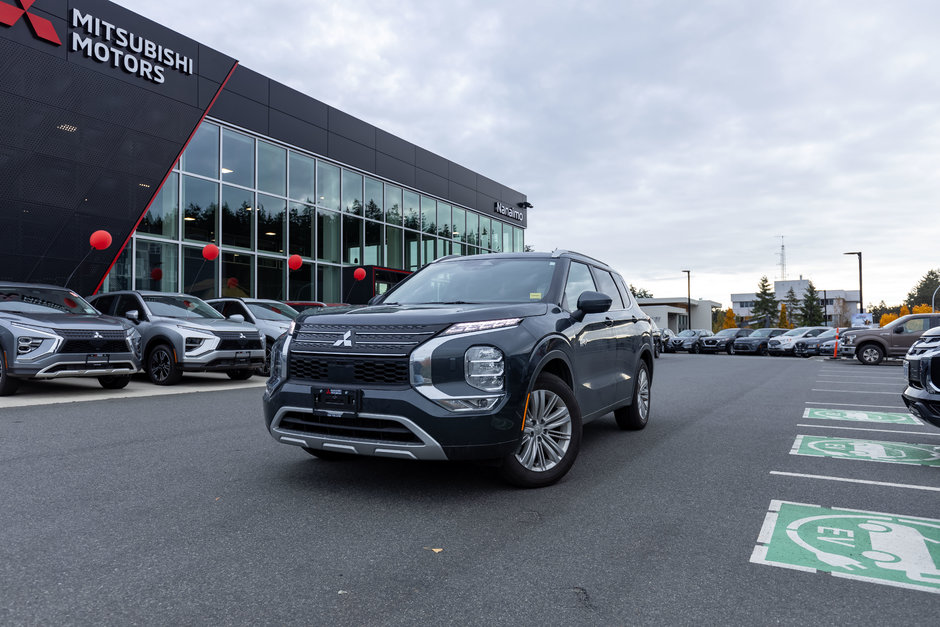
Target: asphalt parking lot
[(764, 490)]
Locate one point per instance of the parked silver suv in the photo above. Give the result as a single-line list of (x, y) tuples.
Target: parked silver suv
[(272, 317), (181, 333), (47, 332)]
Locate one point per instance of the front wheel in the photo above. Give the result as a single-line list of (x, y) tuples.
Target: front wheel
[(635, 415), (731, 349), (696, 349), (762, 350), (162, 367), (239, 375), (114, 382), (870, 354), (8, 384), (551, 436)]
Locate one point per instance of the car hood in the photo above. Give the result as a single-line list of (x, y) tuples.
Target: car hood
[(752, 340), (425, 314), (66, 321), (208, 324)]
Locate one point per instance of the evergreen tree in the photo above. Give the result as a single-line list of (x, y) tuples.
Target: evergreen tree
[(793, 309), (811, 312), (640, 292), (765, 305), (729, 322), (923, 291)]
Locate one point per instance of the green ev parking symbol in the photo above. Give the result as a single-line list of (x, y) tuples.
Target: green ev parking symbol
[(867, 450), (894, 550), (861, 416)]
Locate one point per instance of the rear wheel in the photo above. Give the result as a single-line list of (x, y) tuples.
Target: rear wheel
[(239, 375), (115, 382), (870, 354), (551, 436), (8, 385), (762, 349), (637, 414), (162, 367)]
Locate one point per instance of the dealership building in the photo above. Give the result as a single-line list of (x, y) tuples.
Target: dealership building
[(113, 122)]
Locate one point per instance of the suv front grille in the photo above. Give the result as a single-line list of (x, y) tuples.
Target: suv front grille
[(90, 334), (96, 346), (348, 370), (393, 339), (237, 341), (371, 429)]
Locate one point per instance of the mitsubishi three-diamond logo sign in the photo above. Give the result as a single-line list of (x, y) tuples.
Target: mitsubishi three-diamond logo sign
[(41, 27)]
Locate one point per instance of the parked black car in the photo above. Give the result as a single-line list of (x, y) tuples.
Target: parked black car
[(690, 340), (497, 356), (757, 341), (922, 371), (48, 332), (667, 335), (723, 340)]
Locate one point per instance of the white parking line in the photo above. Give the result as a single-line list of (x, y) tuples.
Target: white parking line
[(891, 383), (855, 391), (137, 389), (881, 483), (937, 434), (857, 405)]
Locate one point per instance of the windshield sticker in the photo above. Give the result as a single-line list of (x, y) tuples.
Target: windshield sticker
[(888, 549), (535, 295)]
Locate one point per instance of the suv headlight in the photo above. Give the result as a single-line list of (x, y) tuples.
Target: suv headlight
[(133, 339), (484, 325), (197, 340), (848, 340), (29, 344), (484, 368)]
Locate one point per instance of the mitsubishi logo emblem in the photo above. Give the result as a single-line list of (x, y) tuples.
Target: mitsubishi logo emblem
[(346, 341), (41, 27), (97, 336), (241, 336)]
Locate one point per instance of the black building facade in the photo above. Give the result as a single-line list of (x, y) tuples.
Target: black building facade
[(111, 121)]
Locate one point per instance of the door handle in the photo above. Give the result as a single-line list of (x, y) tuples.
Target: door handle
[(608, 322)]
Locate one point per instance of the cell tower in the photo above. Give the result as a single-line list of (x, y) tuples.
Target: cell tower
[(783, 259)]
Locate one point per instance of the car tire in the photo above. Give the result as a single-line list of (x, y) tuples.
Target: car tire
[(731, 348), (551, 425), (696, 349), (762, 350), (8, 384), (162, 367), (265, 370), (328, 456), (115, 382), (240, 375), (635, 415), (655, 350), (870, 354)]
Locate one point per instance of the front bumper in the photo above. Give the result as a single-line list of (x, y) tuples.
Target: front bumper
[(714, 348), (217, 361), (923, 404), (59, 365), (780, 349), (847, 351), (399, 423)]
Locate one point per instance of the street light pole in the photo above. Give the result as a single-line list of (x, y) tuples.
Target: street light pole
[(861, 301), (688, 302)]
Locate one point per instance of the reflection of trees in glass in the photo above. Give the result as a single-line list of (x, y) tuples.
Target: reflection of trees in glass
[(413, 219), (301, 230), (200, 222), (373, 211), (236, 225), (270, 222)]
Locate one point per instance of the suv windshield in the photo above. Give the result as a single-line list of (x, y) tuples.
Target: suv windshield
[(761, 333), (797, 331), (273, 311), (687, 333), (477, 281), (172, 306), (43, 301), (726, 332)]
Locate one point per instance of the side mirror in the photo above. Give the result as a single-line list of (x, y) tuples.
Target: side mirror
[(899, 329), (592, 303), (237, 318), (133, 315)]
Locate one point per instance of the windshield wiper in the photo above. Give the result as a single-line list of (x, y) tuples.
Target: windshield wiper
[(448, 302)]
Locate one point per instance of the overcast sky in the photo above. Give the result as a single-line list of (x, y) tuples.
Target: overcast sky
[(655, 135)]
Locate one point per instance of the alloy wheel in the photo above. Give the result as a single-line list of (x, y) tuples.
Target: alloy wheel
[(547, 432), (160, 365)]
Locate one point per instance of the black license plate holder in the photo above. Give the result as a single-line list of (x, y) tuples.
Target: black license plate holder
[(97, 360), (337, 399), (242, 357)]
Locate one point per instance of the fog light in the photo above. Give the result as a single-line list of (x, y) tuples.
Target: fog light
[(484, 368)]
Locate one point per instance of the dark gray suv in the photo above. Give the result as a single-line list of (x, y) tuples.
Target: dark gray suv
[(48, 332), (496, 357)]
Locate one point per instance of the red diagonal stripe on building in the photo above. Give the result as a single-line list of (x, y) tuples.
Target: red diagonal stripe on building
[(9, 15), (43, 29)]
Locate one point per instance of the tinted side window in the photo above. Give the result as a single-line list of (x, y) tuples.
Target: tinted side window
[(579, 281), (624, 292), (103, 304), (127, 303), (606, 285), (218, 307), (916, 325)]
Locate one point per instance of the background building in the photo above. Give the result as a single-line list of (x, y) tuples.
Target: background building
[(112, 121), (671, 313), (839, 305)]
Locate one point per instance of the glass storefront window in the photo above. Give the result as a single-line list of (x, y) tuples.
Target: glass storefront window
[(271, 223), (236, 275), (412, 251), (119, 277), (352, 240), (428, 215), (238, 222), (496, 236), (373, 199), (157, 266), (507, 239), (473, 229), (459, 224), (199, 275), (162, 218), (428, 244), (443, 219), (392, 204), (328, 284), (302, 177), (272, 169), (202, 154), (411, 213), (200, 202), (271, 278), (352, 192), (457, 248), (372, 252), (301, 229), (238, 158), (393, 248), (518, 245), (328, 186), (301, 283), (484, 232), (328, 236)]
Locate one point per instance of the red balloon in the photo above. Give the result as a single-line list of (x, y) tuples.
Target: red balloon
[(71, 304), (156, 274), (359, 274), (232, 281), (210, 251), (100, 240), (294, 262)]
